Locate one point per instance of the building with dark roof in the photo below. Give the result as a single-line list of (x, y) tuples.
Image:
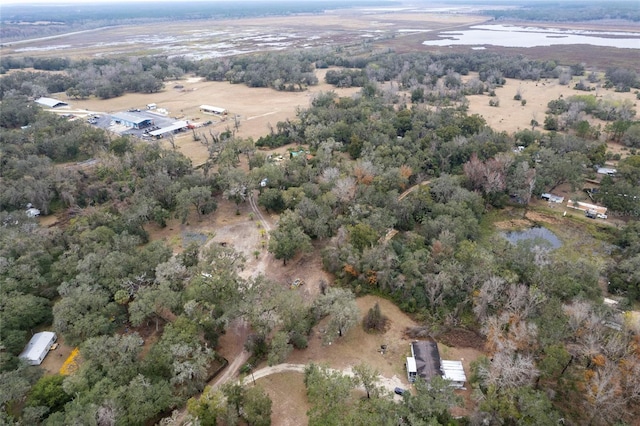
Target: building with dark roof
[(425, 362)]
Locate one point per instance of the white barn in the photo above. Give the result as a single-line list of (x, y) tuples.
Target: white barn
[(38, 347), (208, 109)]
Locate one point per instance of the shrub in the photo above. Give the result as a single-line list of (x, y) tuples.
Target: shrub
[(374, 321), (298, 340)]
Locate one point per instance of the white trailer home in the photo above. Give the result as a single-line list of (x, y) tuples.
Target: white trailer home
[(38, 347)]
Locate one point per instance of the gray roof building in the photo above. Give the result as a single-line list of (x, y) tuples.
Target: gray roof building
[(50, 102)]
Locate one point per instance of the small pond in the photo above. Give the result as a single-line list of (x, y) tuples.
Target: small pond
[(532, 234)]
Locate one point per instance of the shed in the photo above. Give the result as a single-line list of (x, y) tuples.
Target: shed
[(50, 102), (453, 371), (38, 347), (132, 120), (175, 127), (208, 109)]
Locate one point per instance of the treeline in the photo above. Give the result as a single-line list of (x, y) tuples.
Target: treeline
[(290, 72), (293, 71), (570, 11)]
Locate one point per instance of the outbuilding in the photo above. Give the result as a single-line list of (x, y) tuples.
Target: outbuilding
[(552, 198), (38, 347), (453, 371), (51, 103), (208, 109), (176, 127)]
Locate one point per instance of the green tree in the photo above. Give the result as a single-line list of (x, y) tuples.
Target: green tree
[(362, 236), (256, 407), (374, 320), (208, 408), (235, 394), (551, 123), (340, 305), (279, 348), (367, 376), (289, 238), (329, 392), (198, 196), (629, 169), (271, 199), (48, 392), (432, 401), (84, 312), (141, 400)]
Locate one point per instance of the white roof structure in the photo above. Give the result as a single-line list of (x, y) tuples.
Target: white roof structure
[(579, 205), (454, 372), (209, 108), (611, 302), (411, 364), (38, 347), (606, 171), (33, 212), (178, 125), (50, 102)]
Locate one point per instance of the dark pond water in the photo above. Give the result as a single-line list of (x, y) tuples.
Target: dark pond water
[(532, 234)]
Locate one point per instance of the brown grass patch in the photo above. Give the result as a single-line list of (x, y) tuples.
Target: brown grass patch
[(289, 397), (511, 116)]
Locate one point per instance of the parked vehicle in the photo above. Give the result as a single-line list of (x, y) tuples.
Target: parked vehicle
[(399, 391)]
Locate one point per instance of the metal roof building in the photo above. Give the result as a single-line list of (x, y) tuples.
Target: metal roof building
[(212, 109), (131, 120), (50, 102), (177, 126), (454, 372), (38, 347)]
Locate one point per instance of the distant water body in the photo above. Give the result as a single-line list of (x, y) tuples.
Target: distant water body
[(514, 36), (532, 234)]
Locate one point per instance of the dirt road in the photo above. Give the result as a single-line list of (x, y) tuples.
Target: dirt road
[(388, 384)]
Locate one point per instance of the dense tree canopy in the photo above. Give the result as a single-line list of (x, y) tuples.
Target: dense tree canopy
[(400, 199)]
